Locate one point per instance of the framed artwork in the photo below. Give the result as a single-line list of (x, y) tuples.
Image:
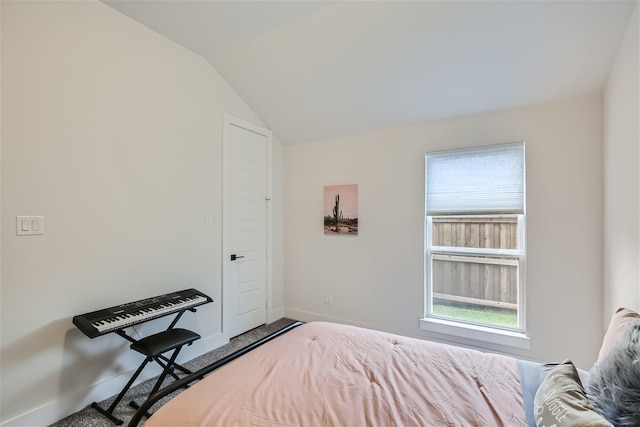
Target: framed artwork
[(341, 209)]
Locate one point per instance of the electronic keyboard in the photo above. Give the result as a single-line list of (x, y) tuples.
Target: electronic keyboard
[(122, 316)]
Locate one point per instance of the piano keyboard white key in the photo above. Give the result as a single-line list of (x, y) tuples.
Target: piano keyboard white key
[(122, 321)]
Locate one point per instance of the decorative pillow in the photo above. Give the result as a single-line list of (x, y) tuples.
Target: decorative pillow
[(617, 326), (560, 400), (614, 384)]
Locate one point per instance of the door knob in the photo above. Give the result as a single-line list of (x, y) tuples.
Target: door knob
[(235, 257)]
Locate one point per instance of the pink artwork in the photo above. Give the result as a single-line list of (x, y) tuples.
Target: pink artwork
[(341, 209)]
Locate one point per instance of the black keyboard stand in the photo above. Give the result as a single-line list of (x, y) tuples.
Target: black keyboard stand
[(153, 347)]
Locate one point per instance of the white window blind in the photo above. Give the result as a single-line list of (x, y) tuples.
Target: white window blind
[(482, 180)]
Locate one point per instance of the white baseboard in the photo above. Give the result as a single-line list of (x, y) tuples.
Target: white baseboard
[(77, 400), (275, 314), (309, 316)]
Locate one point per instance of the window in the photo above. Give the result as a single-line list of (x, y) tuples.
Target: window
[(475, 238)]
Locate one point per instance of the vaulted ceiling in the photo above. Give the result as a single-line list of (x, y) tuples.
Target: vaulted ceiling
[(321, 69)]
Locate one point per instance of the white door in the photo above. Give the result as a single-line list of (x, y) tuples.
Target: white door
[(245, 225)]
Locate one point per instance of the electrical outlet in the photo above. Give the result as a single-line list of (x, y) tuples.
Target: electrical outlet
[(328, 298)]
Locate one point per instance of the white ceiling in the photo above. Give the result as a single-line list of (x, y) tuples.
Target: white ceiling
[(316, 70)]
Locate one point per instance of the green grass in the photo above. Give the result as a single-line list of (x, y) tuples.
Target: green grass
[(486, 315)]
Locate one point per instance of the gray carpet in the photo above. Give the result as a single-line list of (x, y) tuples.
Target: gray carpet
[(89, 417)]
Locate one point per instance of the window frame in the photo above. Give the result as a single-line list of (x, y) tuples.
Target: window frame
[(465, 330), (513, 257)]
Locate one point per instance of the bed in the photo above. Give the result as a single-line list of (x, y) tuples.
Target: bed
[(326, 374)]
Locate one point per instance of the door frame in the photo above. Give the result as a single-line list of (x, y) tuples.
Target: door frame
[(231, 120)]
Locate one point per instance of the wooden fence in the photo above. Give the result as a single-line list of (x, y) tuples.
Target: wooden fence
[(486, 281)]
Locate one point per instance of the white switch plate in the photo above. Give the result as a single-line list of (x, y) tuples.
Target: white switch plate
[(29, 225), (208, 221)]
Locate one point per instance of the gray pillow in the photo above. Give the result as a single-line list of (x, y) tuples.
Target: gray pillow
[(614, 385), (620, 321), (560, 400)]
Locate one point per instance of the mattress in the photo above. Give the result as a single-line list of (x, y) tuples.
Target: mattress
[(337, 375)]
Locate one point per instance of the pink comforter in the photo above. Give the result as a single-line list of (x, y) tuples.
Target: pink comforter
[(324, 374)]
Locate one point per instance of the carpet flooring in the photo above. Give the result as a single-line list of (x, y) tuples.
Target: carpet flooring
[(89, 417)]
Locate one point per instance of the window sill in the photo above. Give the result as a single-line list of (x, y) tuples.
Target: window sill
[(475, 332)]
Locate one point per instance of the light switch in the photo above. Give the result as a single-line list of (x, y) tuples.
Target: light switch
[(29, 225), (208, 221)]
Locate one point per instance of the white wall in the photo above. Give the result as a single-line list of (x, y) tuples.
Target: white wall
[(278, 226), (113, 134), (621, 176), (377, 277)]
